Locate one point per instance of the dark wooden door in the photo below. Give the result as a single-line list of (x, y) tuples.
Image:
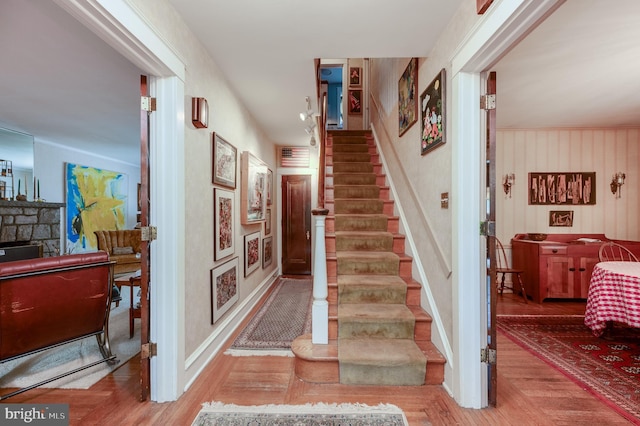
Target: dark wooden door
[(296, 225), (145, 264)]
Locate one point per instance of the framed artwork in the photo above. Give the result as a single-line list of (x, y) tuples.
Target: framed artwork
[(223, 221), (251, 252), (254, 188), (267, 223), (224, 162), (267, 251), (354, 76), (355, 102), (561, 218), (407, 96), (432, 109), (96, 200), (562, 188), (224, 288), (269, 187)]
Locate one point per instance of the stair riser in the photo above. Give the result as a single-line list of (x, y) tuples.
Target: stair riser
[(355, 191), (353, 179), (332, 269), (422, 330), (372, 267), (383, 330), (347, 223), (355, 243), (352, 157), (412, 298), (393, 225), (349, 148), (412, 375), (364, 294), (356, 206), (380, 180), (349, 167)]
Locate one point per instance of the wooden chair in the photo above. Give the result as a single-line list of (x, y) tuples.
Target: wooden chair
[(503, 269), (614, 252)]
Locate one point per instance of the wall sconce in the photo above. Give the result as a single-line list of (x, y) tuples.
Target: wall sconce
[(616, 182), (507, 183), (200, 113)]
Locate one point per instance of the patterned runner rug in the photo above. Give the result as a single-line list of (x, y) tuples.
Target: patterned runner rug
[(609, 369), (219, 414), (285, 315)]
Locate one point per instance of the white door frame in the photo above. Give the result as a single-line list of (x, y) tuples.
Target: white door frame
[(122, 28), (503, 25)]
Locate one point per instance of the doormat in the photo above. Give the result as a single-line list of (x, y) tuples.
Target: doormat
[(285, 315), (609, 369), (219, 414)]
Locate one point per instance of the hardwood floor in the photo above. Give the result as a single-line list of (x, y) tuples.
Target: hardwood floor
[(529, 391)]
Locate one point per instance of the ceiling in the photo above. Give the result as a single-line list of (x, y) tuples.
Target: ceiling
[(64, 85)]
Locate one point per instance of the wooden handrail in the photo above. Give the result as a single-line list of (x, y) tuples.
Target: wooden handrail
[(323, 142)]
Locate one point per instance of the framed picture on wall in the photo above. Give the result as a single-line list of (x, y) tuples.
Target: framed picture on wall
[(267, 223), (254, 189), (225, 159), (432, 111), (267, 251), (561, 218), (223, 223), (354, 76), (251, 253), (269, 187), (224, 288), (575, 188), (408, 97), (355, 101)]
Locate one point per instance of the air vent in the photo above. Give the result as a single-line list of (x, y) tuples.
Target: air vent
[(294, 157)]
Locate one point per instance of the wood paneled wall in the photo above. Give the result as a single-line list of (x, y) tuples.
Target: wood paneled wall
[(603, 151)]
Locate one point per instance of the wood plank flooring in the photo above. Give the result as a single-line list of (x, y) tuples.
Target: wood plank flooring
[(529, 391)]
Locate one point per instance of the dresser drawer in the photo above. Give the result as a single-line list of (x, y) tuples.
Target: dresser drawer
[(553, 249)]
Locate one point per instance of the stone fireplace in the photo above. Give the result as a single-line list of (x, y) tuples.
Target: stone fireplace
[(35, 223)]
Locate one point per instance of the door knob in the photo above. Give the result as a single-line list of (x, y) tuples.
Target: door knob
[(308, 235)]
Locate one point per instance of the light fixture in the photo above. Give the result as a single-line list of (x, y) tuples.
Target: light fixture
[(312, 142), (199, 113), (309, 128), (616, 182), (507, 183), (304, 116)]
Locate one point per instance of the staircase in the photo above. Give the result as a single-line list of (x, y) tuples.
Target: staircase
[(378, 333)]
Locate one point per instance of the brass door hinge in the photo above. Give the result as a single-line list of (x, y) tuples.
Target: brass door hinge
[(148, 233), (488, 102), (147, 103), (488, 355), (148, 350), (488, 228)]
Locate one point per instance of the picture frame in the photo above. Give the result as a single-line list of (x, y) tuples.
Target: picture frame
[(269, 187), (223, 223), (254, 183), (267, 223), (407, 97), (561, 218), (355, 101), (252, 253), (433, 114), (267, 251), (559, 188), (224, 162), (224, 288), (354, 76)]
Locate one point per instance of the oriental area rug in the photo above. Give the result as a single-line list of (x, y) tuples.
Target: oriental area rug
[(285, 315), (219, 414), (608, 368)]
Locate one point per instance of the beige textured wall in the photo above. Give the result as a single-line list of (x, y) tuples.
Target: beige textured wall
[(604, 151), (230, 119), (420, 180)]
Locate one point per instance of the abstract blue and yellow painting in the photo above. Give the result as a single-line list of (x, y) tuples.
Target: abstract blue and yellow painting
[(96, 200)]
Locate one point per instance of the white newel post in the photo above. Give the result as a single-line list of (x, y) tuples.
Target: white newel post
[(320, 309)]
